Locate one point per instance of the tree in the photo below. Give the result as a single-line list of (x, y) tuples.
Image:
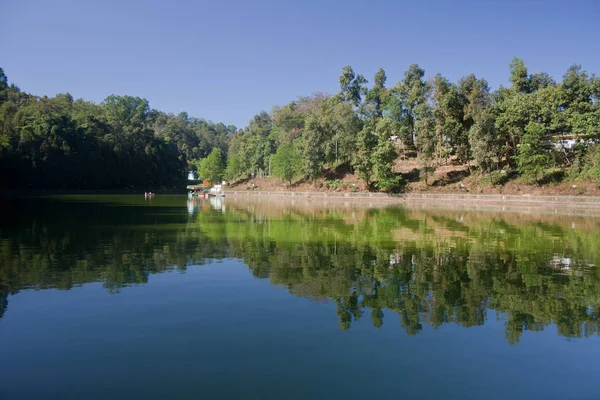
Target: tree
[(376, 97), (313, 144), (3, 80), (485, 143), (287, 162), (234, 168), (211, 168), (384, 155), (518, 75), (363, 157), (448, 114), (407, 102), (260, 143), (340, 125), (352, 86), (533, 159), (539, 81)]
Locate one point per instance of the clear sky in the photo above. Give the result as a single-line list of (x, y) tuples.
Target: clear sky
[(227, 60)]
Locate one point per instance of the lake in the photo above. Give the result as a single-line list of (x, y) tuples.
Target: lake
[(125, 297)]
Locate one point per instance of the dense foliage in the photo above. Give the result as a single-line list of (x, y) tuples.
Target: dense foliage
[(60, 142), (366, 129), (65, 143), (211, 168)]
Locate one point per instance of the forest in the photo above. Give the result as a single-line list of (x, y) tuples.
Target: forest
[(62, 143), (511, 132)]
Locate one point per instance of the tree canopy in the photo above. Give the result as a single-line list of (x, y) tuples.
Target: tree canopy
[(367, 129), (61, 142), (212, 167)]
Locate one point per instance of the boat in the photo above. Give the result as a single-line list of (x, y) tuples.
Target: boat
[(216, 191)]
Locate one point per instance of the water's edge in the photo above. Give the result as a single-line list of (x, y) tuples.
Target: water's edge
[(570, 205), (479, 198)]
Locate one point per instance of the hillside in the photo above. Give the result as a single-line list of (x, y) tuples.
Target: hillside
[(446, 179)]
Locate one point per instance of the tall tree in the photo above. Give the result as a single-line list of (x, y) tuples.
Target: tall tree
[(352, 86), (287, 162), (212, 167), (376, 96), (363, 157), (384, 156), (313, 148), (533, 159), (518, 75), (408, 102)]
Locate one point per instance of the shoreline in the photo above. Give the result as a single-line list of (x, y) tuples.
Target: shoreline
[(49, 192), (524, 205), (416, 198), (553, 204)]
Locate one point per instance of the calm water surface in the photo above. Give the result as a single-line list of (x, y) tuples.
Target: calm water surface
[(121, 297)]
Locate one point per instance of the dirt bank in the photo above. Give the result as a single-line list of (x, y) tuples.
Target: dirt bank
[(446, 180)]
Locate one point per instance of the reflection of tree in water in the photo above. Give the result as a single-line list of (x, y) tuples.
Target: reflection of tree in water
[(426, 268), (56, 245), (428, 288), (3, 302), (435, 271)]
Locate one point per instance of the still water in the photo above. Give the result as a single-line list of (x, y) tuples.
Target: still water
[(125, 297)]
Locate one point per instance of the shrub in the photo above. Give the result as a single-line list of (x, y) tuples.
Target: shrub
[(592, 163)]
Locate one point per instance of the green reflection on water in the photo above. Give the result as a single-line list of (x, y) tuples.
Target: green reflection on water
[(421, 267)]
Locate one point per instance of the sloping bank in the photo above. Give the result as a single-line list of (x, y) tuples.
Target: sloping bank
[(556, 204)]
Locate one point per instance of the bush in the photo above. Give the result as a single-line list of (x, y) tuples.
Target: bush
[(497, 178), (592, 163), (336, 184), (391, 183)]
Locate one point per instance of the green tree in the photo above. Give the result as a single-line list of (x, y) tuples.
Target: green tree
[(376, 96), (363, 157), (211, 168), (426, 143), (518, 75), (533, 158), (383, 156), (352, 86), (407, 103), (539, 81), (287, 162), (260, 144), (340, 124), (313, 148), (3, 80), (448, 114), (485, 143)]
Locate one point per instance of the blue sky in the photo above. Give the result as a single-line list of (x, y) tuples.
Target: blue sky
[(227, 60)]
